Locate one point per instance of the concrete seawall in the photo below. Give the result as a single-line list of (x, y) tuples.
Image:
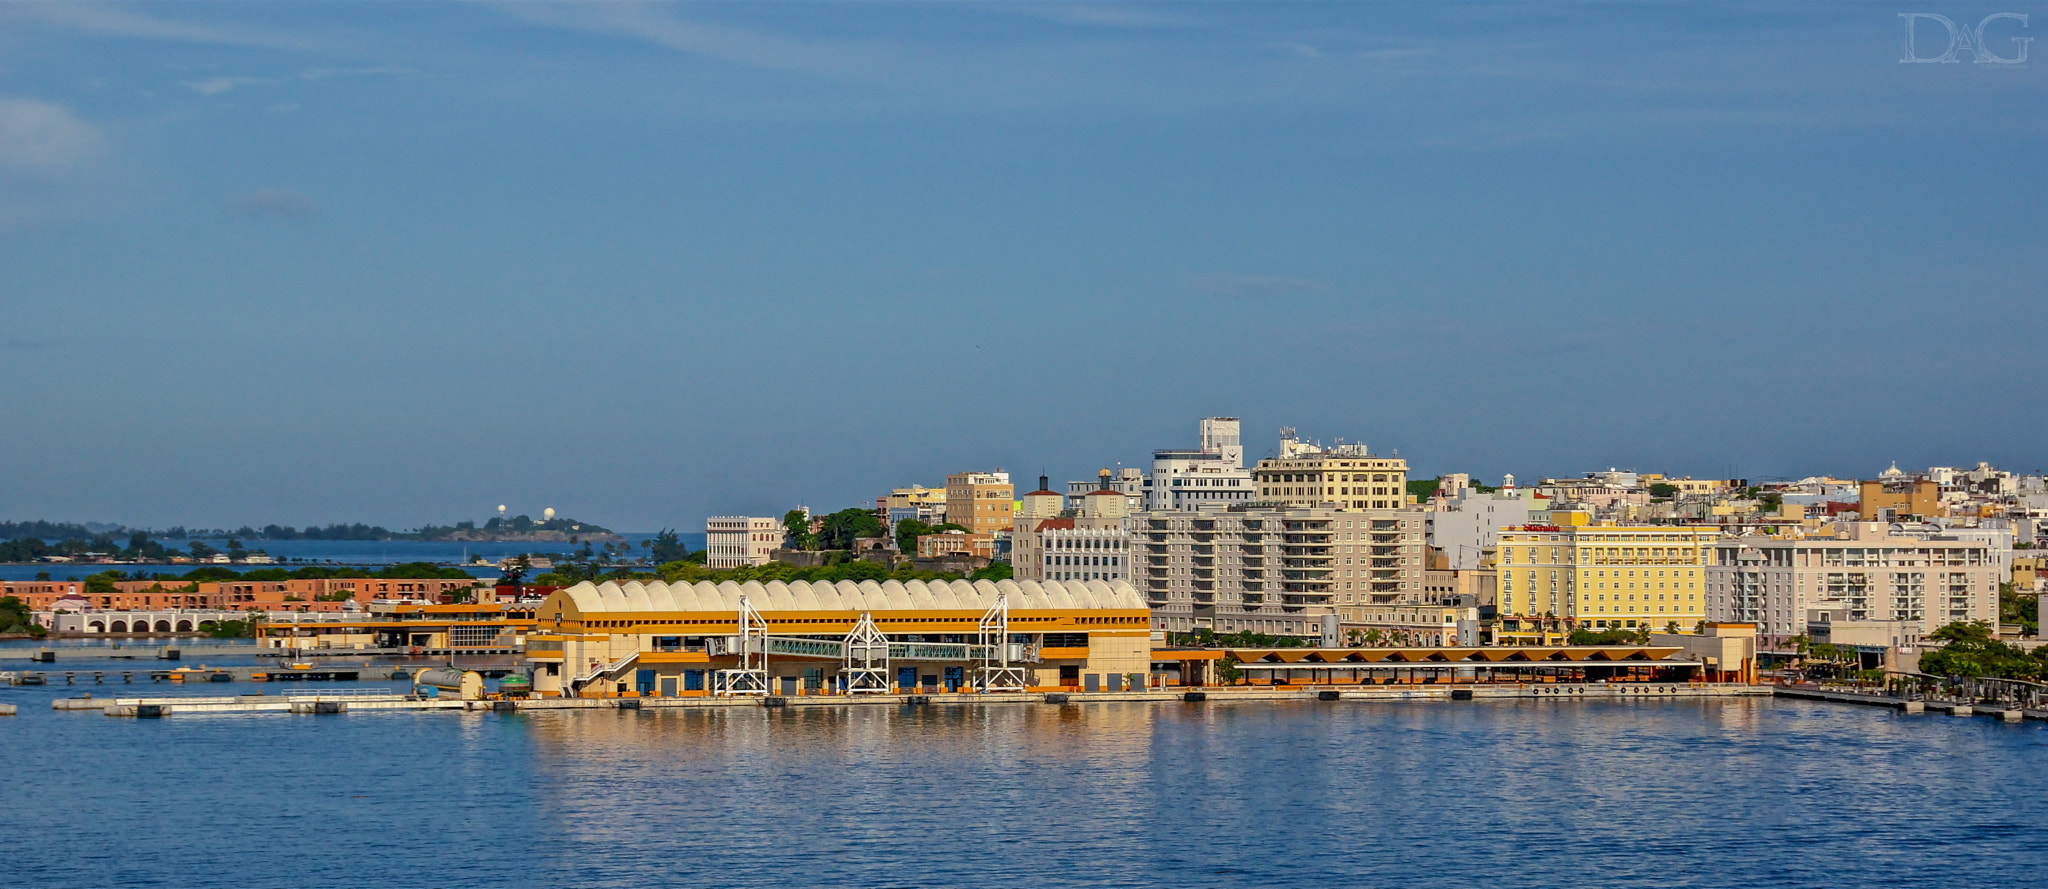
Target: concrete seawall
[(314, 703)]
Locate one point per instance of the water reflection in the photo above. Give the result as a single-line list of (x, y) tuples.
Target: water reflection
[(1749, 792)]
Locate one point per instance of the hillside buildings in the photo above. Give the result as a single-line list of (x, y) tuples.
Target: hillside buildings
[(927, 505)]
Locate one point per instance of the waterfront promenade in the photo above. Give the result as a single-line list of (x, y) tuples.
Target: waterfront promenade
[(346, 700)]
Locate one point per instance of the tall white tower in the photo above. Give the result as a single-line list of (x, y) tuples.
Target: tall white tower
[(1219, 436)]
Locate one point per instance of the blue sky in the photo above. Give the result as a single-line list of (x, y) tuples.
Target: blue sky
[(403, 262)]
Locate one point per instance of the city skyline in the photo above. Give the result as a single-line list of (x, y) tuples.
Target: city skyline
[(644, 264)]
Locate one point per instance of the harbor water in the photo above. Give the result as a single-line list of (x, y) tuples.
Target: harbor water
[(1727, 792), (359, 553)]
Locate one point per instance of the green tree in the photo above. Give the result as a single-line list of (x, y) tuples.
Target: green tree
[(907, 533), (842, 528), (201, 552), (797, 527), (16, 618), (668, 547), (235, 550), (1662, 491), (994, 571)]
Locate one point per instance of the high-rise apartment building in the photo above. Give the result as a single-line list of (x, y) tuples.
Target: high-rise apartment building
[(1600, 577), (1275, 570), (1865, 573), (981, 502), (738, 541)]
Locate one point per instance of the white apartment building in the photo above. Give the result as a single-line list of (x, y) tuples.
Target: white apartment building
[(739, 541), (1864, 573), (1468, 524), (1212, 475), (1276, 570)]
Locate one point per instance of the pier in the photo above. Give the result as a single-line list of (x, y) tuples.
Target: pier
[(1910, 706)]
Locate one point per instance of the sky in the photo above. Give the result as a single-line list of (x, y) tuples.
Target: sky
[(643, 263)]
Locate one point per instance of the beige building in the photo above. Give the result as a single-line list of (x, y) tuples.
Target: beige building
[(738, 541), (1477, 587), (1409, 626), (1344, 477), (1600, 576), (981, 502), (1862, 572), (1895, 499), (1089, 542), (1275, 570), (955, 543)]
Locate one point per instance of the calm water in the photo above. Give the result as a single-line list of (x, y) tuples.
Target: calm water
[(344, 552), (1745, 793)]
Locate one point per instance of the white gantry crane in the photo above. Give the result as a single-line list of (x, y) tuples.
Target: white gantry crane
[(750, 677), (997, 674)]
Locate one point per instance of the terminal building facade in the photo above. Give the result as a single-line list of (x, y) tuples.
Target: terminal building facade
[(803, 638)]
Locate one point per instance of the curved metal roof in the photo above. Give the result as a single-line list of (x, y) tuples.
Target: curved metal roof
[(847, 595)]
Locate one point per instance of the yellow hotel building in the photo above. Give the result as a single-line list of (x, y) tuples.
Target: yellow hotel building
[(1600, 577), (802, 638)]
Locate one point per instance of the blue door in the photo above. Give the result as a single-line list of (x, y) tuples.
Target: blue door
[(954, 676), (643, 681), (906, 678), (693, 680)]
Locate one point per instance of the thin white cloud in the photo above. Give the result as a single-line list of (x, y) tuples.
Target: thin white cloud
[(214, 86), (378, 70), (111, 20), (43, 136), (654, 24), (274, 203)]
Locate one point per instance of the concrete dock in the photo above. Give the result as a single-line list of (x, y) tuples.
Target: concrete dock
[(1907, 706), (366, 700)]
